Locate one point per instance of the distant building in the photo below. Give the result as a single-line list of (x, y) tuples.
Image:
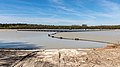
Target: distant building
[(84, 25), (75, 25)]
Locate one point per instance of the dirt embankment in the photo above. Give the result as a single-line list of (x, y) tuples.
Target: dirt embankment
[(98, 57), (8, 57), (101, 57)]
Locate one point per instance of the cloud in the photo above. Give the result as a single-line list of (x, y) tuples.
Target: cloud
[(110, 5), (109, 15), (61, 12), (111, 9), (57, 1), (63, 6), (9, 19)]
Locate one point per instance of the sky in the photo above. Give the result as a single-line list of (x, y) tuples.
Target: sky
[(60, 12)]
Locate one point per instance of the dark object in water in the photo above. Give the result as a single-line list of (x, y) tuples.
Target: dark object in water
[(48, 34), (76, 38), (52, 36), (61, 37)]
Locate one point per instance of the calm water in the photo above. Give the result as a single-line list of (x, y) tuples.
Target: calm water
[(21, 39)]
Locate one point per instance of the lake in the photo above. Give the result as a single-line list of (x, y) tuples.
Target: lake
[(111, 36), (27, 39)]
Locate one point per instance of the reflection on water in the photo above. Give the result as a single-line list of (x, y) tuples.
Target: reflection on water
[(21, 45), (16, 39)]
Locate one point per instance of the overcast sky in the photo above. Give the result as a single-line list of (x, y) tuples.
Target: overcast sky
[(60, 12)]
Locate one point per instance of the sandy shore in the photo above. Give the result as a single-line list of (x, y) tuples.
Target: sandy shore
[(8, 29), (15, 29), (8, 57), (97, 57), (102, 57)]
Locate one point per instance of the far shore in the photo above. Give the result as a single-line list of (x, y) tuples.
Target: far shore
[(8, 29), (55, 29)]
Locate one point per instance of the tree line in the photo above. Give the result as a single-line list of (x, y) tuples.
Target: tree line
[(40, 26)]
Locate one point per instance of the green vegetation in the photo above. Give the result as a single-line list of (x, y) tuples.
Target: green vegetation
[(39, 26)]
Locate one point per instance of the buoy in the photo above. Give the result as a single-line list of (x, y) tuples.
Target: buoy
[(76, 38)]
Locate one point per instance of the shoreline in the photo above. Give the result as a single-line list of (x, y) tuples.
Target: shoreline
[(8, 29), (61, 30), (42, 56), (71, 56)]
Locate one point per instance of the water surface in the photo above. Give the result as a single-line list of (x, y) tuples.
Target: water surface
[(112, 36), (24, 39)]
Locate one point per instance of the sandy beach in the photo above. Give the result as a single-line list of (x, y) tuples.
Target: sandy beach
[(8, 29)]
